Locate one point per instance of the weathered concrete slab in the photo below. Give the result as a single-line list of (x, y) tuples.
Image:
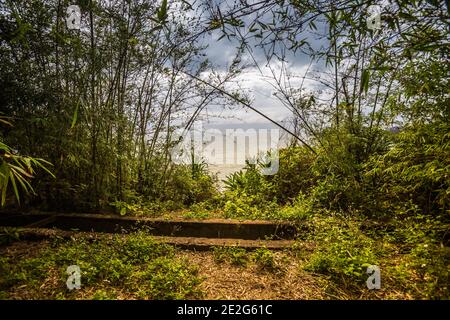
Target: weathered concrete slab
[(186, 243), (217, 228)]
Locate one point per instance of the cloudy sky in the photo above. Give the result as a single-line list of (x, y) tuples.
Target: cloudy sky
[(257, 80)]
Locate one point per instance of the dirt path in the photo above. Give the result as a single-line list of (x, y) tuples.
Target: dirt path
[(226, 281)]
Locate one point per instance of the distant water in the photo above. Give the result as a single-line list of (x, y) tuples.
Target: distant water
[(224, 170)]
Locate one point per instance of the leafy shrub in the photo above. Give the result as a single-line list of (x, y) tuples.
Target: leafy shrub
[(234, 255), (249, 195), (430, 263), (136, 262), (424, 268), (249, 207), (249, 181), (17, 170), (416, 169), (9, 235), (300, 209), (104, 295), (220, 254), (139, 248), (343, 250), (166, 278), (197, 211), (265, 259), (295, 174), (185, 187), (123, 207)]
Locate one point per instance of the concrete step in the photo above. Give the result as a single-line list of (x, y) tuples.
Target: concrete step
[(187, 243), (204, 244), (212, 228)]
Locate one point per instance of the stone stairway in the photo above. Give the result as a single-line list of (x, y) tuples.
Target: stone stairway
[(185, 234)]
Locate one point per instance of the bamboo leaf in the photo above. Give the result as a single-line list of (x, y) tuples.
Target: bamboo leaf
[(24, 183), (2, 120), (4, 185), (13, 183), (364, 81), (75, 117), (162, 12)]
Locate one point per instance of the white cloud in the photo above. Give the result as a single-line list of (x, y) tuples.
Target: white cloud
[(258, 85)]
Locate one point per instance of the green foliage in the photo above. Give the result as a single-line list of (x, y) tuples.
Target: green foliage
[(262, 257), (139, 248), (122, 207), (299, 210), (166, 279), (424, 82), (248, 181), (220, 254), (143, 267), (411, 251), (18, 170), (265, 260), (104, 133), (344, 251), (249, 195), (162, 12), (198, 168), (184, 186), (197, 211), (364, 81), (244, 206), (338, 166), (430, 264), (233, 255), (9, 235), (104, 295), (108, 136), (295, 174), (423, 240), (416, 170)]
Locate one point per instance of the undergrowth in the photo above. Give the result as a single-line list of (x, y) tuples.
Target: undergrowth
[(134, 264)]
